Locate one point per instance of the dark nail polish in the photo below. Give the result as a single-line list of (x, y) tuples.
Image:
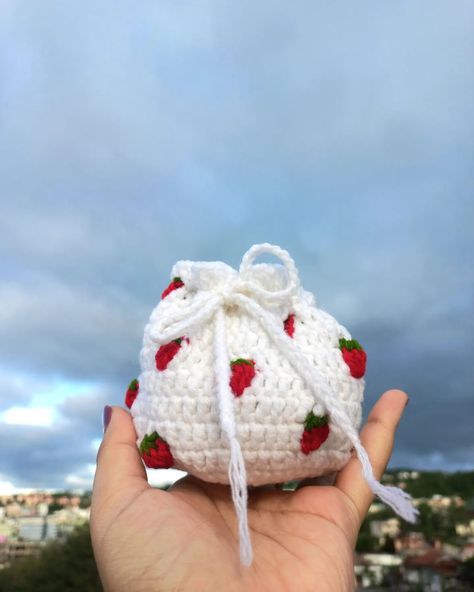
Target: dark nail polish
[(106, 417)]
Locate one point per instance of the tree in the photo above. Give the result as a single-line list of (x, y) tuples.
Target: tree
[(466, 572), (366, 543), (61, 567)]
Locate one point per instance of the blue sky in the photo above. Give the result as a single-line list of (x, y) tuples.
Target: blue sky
[(132, 136)]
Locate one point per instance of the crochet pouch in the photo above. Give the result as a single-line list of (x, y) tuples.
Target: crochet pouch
[(245, 381)]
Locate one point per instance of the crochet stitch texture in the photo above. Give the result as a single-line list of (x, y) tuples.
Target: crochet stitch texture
[(244, 380)]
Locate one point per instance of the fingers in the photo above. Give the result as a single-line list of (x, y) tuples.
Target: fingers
[(377, 438), (120, 475)]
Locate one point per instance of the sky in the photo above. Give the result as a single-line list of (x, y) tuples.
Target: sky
[(134, 135)]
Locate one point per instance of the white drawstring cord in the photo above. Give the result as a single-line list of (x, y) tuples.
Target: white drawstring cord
[(237, 473), (209, 304)]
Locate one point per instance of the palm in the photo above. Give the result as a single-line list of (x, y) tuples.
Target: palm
[(302, 540)]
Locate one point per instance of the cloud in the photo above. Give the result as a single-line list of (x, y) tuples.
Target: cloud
[(42, 457), (53, 327), (31, 416), (15, 389), (83, 412), (61, 453), (81, 480), (139, 137), (460, 460)]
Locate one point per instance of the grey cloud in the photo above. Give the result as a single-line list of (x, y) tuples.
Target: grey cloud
[(42, 457), (136, 138), (15, 390), (459, 460), (51, 325), (83, 412), (46, 456)]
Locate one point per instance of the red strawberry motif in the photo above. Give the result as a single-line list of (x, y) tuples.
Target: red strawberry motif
[(316, 432), (354, 356), (242, 373), (155, 452), (167, 352), (176, 283), (289, 325), (131, 393)]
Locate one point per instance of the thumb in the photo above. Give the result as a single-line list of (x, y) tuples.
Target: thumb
[(120, 475)]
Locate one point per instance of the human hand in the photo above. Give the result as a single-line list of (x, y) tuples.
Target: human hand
[(146, 539)]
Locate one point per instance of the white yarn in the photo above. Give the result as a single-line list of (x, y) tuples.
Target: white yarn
[(215, 293), (237, 474)]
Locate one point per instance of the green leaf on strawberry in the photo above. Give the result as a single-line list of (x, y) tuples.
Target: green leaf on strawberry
[(315, 421), (243, 361), (349, 344), (149, 441)]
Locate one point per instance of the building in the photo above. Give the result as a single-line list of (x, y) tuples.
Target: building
[(377, 569), (413, 542), (381, 529), (467, 552), (36, 528), (433, 571), (465, 529)]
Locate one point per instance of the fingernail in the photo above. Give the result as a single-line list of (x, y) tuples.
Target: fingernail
[(106, 417), (407, 401)]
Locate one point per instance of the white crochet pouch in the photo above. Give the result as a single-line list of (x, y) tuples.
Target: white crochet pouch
[(245, 381)]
